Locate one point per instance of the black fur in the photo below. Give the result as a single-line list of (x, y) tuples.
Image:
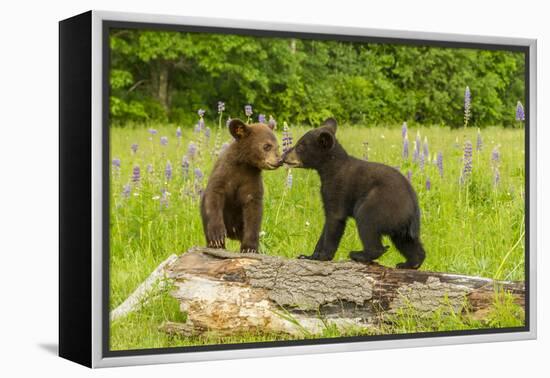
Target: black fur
[(378, 197)]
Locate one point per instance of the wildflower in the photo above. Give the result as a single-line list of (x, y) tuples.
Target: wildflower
[(289, 179), (150, 168), (152, 131), (248, 110), (421, 161), (221, 107), (178, 132), (168, 171), (496, 177), (116, 163), (134, 148), (425, 147), (185, 166), (261, 118), (197, 128), (192, 150), (479, 143), (439, 163), (164, 197), (467, 160), (495, 156), (126, 191), (418, 141), (136, 175), (198, 174), (404, 130), (467, 105), (201, 112), (164, 141), (406, 147), (415, 153), (428, 184), (287, 138), (272, 123), (207, 133), (520, 113)]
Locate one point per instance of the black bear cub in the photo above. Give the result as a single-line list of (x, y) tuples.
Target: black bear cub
[(231, 205), (378, 197)]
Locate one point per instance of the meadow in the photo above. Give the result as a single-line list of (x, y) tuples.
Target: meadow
[(470, 186)]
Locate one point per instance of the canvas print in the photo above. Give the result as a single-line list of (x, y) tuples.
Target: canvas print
[(299, 188)]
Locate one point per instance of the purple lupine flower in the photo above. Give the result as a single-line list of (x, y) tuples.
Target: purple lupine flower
[(425, 148), (479, 142), (136, 174), (192, 150), (467, 160), (406, 147), (150, 169), (198, 174), (198, 128), (164, 141), (261, 118), (495, 156), (168, 171), (496, 176), (467, 105), (404, 130), (221, 106), (272, 123), (409, 175), (287, 138), (116, 163), (207, 133), (185, 166), (289, 179), (163, 197), (428, 183), (520, 113), (134, 148), (224, 147), (415, 153), (248, 110), (439, 163), (421, 161), (152, 131), (366, 151), (201, 112), (126, 191), (178, 132)]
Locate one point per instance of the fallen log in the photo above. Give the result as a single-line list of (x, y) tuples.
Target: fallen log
[(225, 293)]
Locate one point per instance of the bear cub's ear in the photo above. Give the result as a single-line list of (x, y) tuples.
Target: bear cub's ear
[(331, 124), (238, 128), (326, 140)]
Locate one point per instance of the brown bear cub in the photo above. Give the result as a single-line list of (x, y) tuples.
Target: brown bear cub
[(378, 197), (231, 205)]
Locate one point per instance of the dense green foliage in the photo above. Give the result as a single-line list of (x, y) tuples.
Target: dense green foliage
[(475, 227), (167, 76)]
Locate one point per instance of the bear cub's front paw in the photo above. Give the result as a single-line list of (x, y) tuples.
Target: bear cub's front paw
[(216, 236)]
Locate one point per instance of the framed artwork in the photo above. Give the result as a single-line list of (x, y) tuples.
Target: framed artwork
[(232, 188)]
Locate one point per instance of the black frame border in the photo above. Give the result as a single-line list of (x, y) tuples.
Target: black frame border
[(107, 25)]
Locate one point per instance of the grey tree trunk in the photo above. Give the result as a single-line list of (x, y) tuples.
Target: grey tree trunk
[(226, 293)]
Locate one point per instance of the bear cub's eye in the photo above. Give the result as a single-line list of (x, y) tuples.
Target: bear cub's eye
[(267, 147)]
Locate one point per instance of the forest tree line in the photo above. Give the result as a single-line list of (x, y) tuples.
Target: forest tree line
[(168, 76)]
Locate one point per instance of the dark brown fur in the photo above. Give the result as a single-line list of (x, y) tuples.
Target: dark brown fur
[(379, 197), (231, 205)]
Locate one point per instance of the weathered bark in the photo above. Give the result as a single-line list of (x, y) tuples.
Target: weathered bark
[(227, 293)]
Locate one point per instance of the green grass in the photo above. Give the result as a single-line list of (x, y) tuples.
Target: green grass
[(475, 229)]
